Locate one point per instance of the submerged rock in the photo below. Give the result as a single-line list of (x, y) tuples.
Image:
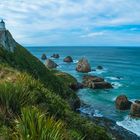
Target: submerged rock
[(55, 56), (122, 103), (50, 64), (99, 67), (68, 59), (83, 66), (135, 109), (43, 57), (95, 82)]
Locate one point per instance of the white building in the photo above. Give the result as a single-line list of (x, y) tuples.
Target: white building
[(2, 25)]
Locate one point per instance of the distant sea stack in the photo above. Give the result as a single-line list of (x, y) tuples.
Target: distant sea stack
[(68, 59), (6, 39)]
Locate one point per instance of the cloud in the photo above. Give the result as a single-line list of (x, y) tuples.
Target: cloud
[(64, 22), (93, 34)]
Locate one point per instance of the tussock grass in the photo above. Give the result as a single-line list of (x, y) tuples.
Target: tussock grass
[(34, 125), (12, 98)]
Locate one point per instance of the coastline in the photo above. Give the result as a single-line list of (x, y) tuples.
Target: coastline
[(51, 92), (116, 87)]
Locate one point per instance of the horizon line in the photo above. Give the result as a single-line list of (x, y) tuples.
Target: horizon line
[(75, 46)]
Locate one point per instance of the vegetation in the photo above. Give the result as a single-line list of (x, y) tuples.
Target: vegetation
[(34, 125), (37, 104)]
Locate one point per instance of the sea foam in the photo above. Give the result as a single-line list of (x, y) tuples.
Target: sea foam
[(90, 112), (130, 124), (112, 78), (116, 85), (75, 61)]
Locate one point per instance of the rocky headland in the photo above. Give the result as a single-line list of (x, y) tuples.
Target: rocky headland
[(34, 87)]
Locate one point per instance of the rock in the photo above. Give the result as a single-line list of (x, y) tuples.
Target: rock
[(99, 67), (83, 66), (76, 86), (135, 109), (92, 78), (50, 64), (43, 57), (102, 85), (95, 82), (122, 103), (137, 101), (68, 59), (55, 56)]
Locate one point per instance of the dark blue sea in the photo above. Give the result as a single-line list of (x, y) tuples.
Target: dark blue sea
[(119, 62)]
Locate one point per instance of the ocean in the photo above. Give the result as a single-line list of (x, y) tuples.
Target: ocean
[(122, 62)]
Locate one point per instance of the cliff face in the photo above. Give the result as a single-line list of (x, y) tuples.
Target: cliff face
[(7, 41)]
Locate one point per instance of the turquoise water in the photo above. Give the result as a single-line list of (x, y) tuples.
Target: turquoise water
[(117, 62)]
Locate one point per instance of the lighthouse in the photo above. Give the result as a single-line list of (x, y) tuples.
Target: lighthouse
[(2, 25)]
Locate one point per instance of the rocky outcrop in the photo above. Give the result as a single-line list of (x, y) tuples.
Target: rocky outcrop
[(135, 109), (50, 64), (76, 86), (68, 59), (122, 103), (95, 82), (7, 41), (83, 66), (55, 56), (43, 57)]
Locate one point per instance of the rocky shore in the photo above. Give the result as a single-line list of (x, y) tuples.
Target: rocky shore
[(117, 132), (122, 103)]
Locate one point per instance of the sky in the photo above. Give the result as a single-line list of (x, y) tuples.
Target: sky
[(73, 22)]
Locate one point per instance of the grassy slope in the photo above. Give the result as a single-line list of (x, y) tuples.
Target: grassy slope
[(51, 92)]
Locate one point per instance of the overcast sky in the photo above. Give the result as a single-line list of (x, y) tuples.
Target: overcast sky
[(73, 22)]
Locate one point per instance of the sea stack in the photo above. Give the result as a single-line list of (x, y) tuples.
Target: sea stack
[(135, 109), (83, 65), (68, 59), (55, 56), (50, 64), (43, 57), (122, 103)]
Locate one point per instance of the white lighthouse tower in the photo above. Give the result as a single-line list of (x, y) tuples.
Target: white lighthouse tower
[(2, 25)]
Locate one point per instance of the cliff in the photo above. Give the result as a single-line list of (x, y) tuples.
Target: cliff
[(7, 41)]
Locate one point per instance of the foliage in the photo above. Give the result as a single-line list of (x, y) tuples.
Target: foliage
[(33, 125), (12, 98)]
